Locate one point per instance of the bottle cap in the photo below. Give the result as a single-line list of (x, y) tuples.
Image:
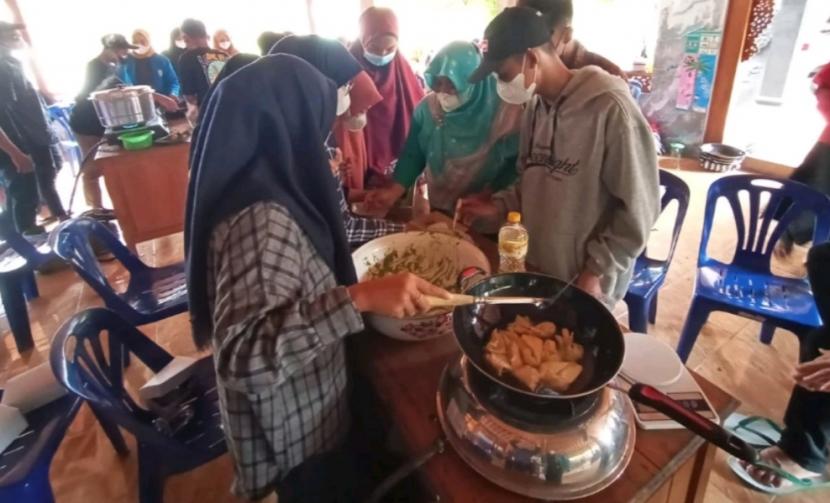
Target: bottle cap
[(514, 217)]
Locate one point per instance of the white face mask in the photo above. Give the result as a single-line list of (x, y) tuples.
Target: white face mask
[(344, 101), (180, 44), (379, 60), (225, 45), (142, 50), (516, 92), (356, 122), (449, 102)]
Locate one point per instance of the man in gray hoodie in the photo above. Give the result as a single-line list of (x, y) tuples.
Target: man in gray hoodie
[(588, 187)]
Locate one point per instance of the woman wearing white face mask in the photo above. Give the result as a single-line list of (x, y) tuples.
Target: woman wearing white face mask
[(349, 132), (222, 42), (146, 68), (353, 97), (462, 134), (388, 122)]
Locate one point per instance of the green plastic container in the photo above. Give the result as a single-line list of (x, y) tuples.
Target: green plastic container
[(137, 140)]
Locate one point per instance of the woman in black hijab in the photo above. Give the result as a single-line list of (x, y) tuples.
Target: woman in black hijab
[(271, 281), (334, 61)]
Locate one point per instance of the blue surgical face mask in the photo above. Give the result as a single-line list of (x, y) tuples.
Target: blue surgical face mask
[(378, 60)]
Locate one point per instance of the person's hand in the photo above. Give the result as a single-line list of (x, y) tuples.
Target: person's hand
[(23, 163), (815, 375), (166, 102), (192, 114), (397, 296), (477, 208), (337, 162), (590, 283), (383, 199)]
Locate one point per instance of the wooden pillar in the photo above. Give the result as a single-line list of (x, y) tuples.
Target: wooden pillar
[(734, 34), (309, 9)]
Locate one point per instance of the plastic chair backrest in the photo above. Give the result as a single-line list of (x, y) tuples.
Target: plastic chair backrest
[(674, 189), (72, 242), (94, 370), (758, 235), (22, 246)]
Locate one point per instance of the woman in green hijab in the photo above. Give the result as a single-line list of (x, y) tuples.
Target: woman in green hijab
[(465, 136)]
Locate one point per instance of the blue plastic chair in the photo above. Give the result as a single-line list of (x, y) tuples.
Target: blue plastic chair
[(19, 258), (746, 287), (69, 147), (24, 465), (650, 274), (153, 293), (85, 361)]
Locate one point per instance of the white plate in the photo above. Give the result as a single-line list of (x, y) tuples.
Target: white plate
[(650, 361)]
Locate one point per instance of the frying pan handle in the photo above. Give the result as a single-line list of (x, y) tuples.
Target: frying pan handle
[(696, 423), (467, 276)]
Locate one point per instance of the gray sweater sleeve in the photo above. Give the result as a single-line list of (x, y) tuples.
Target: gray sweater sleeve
[(629, 173)]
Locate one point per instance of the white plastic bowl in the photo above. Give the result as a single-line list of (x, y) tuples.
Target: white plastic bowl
[(429, 244)]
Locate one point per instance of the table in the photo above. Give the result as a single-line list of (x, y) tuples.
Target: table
[(668, 466), (148, 189)]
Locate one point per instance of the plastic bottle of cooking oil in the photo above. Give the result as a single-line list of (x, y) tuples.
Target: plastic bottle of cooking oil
[(513, 240)]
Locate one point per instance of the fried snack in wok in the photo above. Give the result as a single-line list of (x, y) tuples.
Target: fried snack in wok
[(535, 355)]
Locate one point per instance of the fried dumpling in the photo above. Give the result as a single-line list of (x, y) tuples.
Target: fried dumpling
[(528, 376), (499, 362), (532, 350), (545, 330), (559, 376), (550, 351)]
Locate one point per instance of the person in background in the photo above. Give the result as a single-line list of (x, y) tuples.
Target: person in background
[(387, 122), (101, 73), (267, 39), (222, 42), (145, 67), (802, 453), (574, 55), (814, 170), (272, 286), (588, 188), (335, 62), (27, 161), (463, 134), (349, 126), (198, 66), (231, 65), (349, 133), (176, 48)]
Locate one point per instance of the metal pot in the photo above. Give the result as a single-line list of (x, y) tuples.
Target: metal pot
[(124, 106)]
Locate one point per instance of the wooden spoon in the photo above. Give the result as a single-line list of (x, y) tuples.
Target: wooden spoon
[(467, 300)]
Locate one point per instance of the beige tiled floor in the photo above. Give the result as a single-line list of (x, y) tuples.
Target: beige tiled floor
[(727, 352)]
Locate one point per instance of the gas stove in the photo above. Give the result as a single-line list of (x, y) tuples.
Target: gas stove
[(545, 449)]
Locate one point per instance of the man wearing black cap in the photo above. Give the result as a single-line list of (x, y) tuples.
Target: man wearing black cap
[(198, 66), (588, 187), (26, 157), (100, 74)]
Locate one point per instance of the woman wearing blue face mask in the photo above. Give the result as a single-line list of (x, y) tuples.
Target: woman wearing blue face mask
[(387, 122), (463, 134)]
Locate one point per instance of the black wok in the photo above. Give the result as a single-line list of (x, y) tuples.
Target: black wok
[(594, 327)]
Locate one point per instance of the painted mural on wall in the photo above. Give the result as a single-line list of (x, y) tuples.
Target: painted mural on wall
[(696, 72), (679, 101)]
